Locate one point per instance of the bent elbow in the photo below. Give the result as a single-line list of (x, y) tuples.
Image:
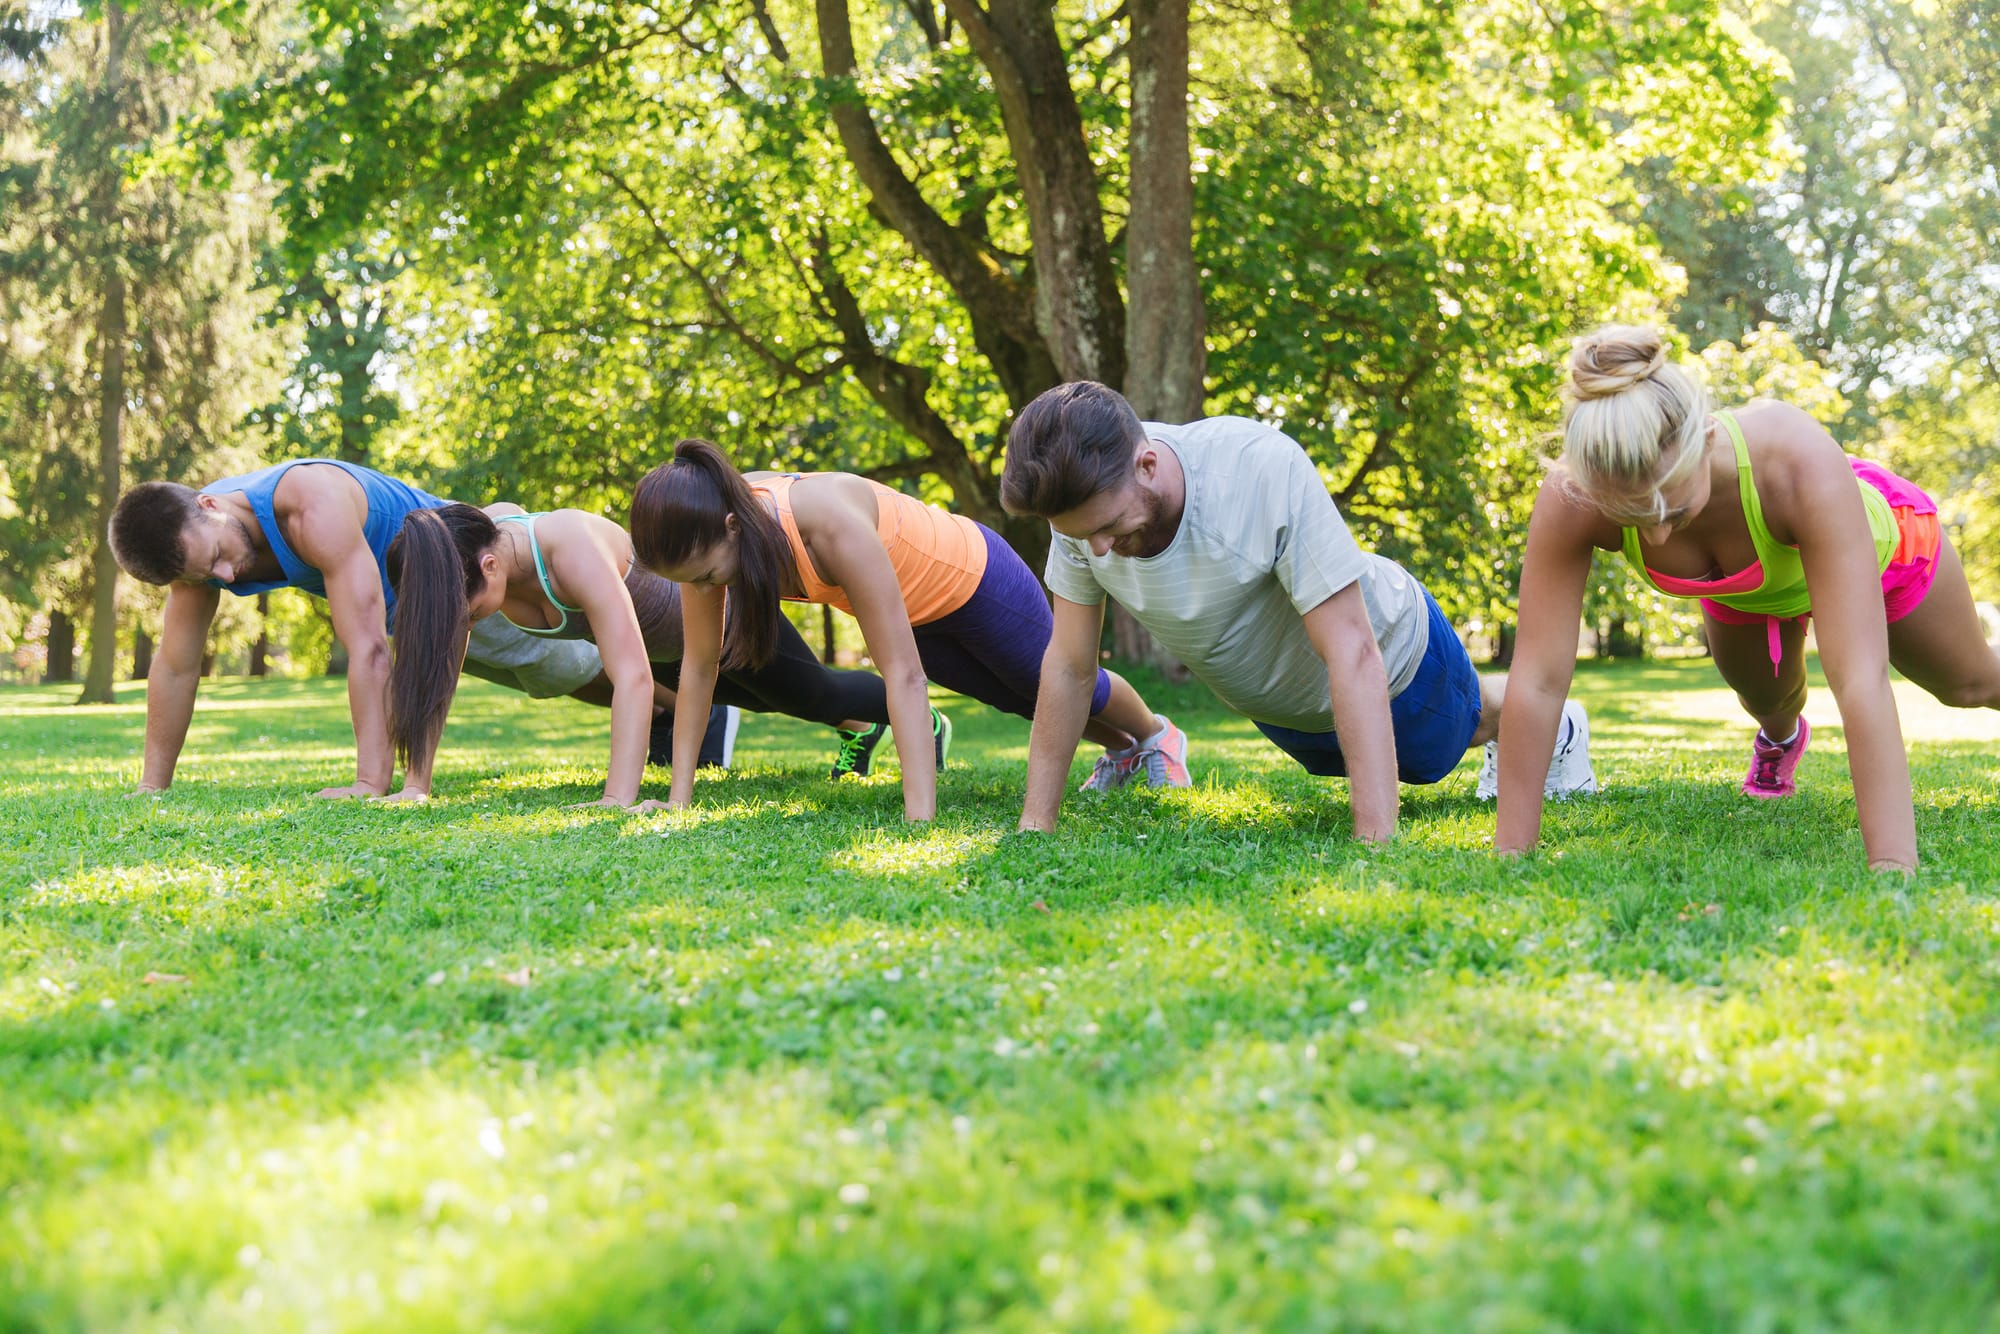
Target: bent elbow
[(371, 658), (908, 676)]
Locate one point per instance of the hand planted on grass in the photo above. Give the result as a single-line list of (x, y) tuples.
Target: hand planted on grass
[(610, 802), (648, 807), (348, 793), (407, 795), (145, 790)]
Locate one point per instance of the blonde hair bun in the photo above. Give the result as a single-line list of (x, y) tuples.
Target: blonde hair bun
[(1614, 359), (1636, 424)]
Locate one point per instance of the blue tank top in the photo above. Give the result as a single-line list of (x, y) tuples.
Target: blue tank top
[(389, 502)]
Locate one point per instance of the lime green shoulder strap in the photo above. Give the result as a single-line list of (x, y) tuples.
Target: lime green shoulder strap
[(1746, 487)]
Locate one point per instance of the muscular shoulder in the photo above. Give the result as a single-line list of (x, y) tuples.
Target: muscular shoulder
[(322, 509), (1793, 460), (1240, 448), (571, 528), (832, 502), (1569, 518)]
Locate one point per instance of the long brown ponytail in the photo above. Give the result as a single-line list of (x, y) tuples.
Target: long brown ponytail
[(680, 510), (433, 564)]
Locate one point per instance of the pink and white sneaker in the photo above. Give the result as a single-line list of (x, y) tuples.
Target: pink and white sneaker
[(1161, 764), (1772, 765)]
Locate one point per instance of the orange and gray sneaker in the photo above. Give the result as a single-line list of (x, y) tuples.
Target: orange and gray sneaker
[(1772, 766), (1161, 760)]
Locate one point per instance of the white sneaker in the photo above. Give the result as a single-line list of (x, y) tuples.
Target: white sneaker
[(1489, 773), (1569, 768), (729, 735), (1569, 771), (718, 739)]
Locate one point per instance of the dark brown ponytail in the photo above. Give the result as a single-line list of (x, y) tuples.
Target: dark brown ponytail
[(433, 565), (679, 512)]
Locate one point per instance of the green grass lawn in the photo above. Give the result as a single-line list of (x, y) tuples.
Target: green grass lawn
[(1198, 1062)]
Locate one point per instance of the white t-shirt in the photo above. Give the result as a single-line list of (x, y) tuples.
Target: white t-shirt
[(1260, 544)]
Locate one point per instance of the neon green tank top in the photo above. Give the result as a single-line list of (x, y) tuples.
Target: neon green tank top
[(1776, 584)]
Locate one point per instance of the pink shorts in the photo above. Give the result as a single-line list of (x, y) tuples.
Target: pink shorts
[(1912, 566)]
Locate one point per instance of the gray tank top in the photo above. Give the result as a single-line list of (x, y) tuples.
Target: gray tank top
[(657, 602)]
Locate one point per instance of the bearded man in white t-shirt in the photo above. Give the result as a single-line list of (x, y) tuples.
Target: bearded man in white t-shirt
[(1220, 538)]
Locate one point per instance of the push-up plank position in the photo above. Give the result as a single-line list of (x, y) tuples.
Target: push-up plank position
[(1220, 538), (325, 527)]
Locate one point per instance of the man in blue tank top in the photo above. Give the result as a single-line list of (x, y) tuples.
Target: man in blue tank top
[(323, 526)]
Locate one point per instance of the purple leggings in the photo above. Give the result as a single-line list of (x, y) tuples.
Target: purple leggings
[(991, 647)]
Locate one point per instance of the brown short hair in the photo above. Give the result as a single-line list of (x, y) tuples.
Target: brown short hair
[(148, 530), (1072, 443)]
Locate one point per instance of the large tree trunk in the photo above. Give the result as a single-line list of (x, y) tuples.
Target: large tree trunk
[(61, 667), (1166, 349), (1000, 305), (97, 681), (1078, 307)]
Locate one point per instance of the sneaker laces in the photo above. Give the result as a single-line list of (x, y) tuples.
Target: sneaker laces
[(1765, 758), (850, 748)]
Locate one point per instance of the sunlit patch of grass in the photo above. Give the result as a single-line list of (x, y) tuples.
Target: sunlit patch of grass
[(1196, 1061), (897, 852)]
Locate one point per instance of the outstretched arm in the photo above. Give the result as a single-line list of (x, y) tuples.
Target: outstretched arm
[(1343, 637), (701, 658), (323, 511), (587, 558), (1831, 531), (1062, 709), (172, 680), (1553, 574), (849, 554), (354, 596)]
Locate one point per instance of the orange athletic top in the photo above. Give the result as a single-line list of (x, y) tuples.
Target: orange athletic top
[(939, 557)]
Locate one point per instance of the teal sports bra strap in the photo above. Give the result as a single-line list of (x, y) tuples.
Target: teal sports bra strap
[(541, 567)]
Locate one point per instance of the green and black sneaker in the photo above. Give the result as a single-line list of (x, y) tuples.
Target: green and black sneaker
[(857, 750), (940, 736)]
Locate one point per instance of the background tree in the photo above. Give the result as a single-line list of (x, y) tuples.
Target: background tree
[(835, 238), (131, 336)]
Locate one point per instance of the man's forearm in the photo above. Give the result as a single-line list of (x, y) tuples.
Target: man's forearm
[(1361, 720), (1062, 709), (368, 703), (170, 696)]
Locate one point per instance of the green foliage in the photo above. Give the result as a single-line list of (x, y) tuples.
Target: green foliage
[(1196, 1062), (96, 182), (624, 230)]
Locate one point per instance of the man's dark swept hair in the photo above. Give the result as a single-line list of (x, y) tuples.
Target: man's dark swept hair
[(1070, 444), (147, 530)]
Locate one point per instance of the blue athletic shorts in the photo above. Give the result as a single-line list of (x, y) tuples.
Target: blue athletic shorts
[(1434, 718)]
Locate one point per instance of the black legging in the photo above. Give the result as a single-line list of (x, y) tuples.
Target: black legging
[(797, 683)]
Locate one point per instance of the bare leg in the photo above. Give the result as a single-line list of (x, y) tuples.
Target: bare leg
[(1743, 656), (1492, 691), (1124, 719), (1940, 645)]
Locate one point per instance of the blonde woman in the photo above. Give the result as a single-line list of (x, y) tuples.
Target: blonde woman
[(1760, 514)]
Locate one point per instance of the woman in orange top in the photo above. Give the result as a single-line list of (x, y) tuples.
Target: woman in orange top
[(937, 595)]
